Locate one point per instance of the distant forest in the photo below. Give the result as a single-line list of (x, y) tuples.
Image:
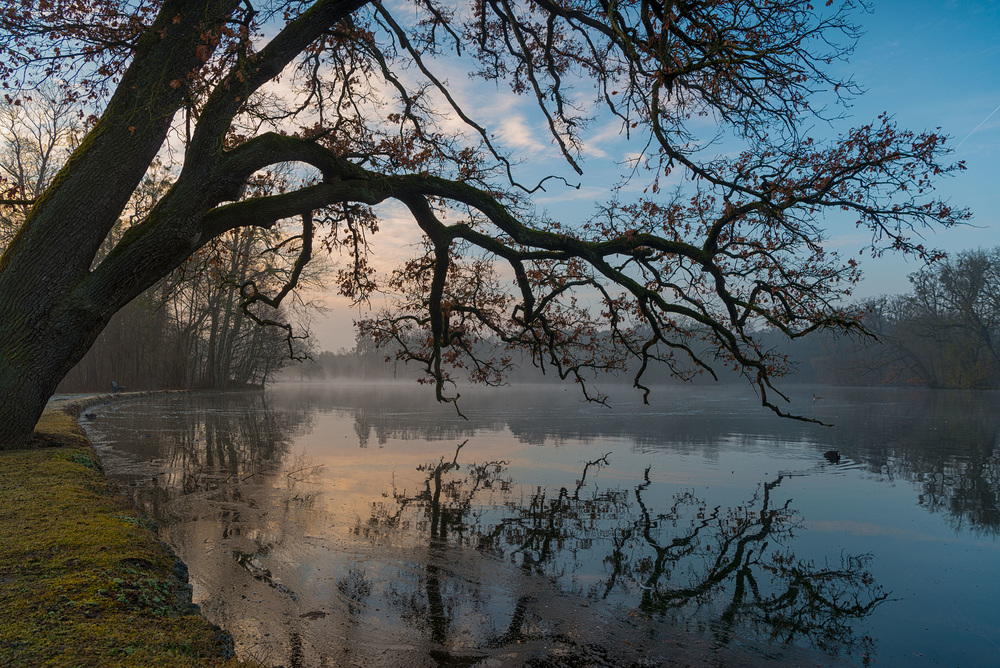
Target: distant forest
[(189, 332), (944, 333)]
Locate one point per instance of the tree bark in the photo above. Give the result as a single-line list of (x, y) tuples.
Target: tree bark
[(50, 310), (52, 304)]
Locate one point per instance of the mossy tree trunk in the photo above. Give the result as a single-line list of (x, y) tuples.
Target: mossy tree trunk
[(53, 304)]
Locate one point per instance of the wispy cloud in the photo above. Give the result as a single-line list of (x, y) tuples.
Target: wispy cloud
[(608, 137), (517, 133)]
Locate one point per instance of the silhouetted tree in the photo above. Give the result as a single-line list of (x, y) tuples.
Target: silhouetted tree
[(741, 245)]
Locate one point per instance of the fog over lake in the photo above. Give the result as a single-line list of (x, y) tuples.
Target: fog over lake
[(361, 524)]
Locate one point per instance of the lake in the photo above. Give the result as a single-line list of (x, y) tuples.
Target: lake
[(361, 524)]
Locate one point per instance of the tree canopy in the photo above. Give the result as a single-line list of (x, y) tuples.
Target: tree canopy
[(354, 94)]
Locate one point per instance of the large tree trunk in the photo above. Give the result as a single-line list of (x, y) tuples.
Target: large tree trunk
[(32, 362), (53, 301), (52, 306)]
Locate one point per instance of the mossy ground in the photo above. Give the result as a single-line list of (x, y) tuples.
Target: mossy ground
[(83, 580)]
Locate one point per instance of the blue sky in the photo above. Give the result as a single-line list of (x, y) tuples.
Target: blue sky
[(929, 64), (937, 64)]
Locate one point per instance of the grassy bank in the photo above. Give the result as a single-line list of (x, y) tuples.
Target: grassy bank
[(83, 579)]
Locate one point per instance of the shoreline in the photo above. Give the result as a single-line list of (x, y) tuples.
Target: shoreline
[(84, 578)]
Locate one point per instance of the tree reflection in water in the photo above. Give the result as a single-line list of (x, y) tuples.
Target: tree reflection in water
[(475, 563), (730, 571), (943, 442)]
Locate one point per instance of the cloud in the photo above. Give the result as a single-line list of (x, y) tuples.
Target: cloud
[(516, 132), (596, 144), (583, 199)]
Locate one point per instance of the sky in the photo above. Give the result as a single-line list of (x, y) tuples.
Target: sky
[(928, 63)]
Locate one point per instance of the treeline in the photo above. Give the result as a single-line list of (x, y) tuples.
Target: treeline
[(364, 361), (945, 333), (190, 330)]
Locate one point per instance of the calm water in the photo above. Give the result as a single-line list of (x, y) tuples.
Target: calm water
[(367, 525)]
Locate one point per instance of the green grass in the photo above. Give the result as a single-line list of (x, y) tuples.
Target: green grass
[(83, 580)]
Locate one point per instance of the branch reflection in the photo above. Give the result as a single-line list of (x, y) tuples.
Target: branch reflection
[(730, 570), (944, 443)]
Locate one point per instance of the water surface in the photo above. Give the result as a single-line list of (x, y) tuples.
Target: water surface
[(367, 525)]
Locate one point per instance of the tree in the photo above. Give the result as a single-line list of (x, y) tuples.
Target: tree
[(899, 353), (36, 138), (943, 334), (956, 304), (188, 329), (684, 280)]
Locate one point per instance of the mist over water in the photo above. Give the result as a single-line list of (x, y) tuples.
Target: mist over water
[(358, 524)]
